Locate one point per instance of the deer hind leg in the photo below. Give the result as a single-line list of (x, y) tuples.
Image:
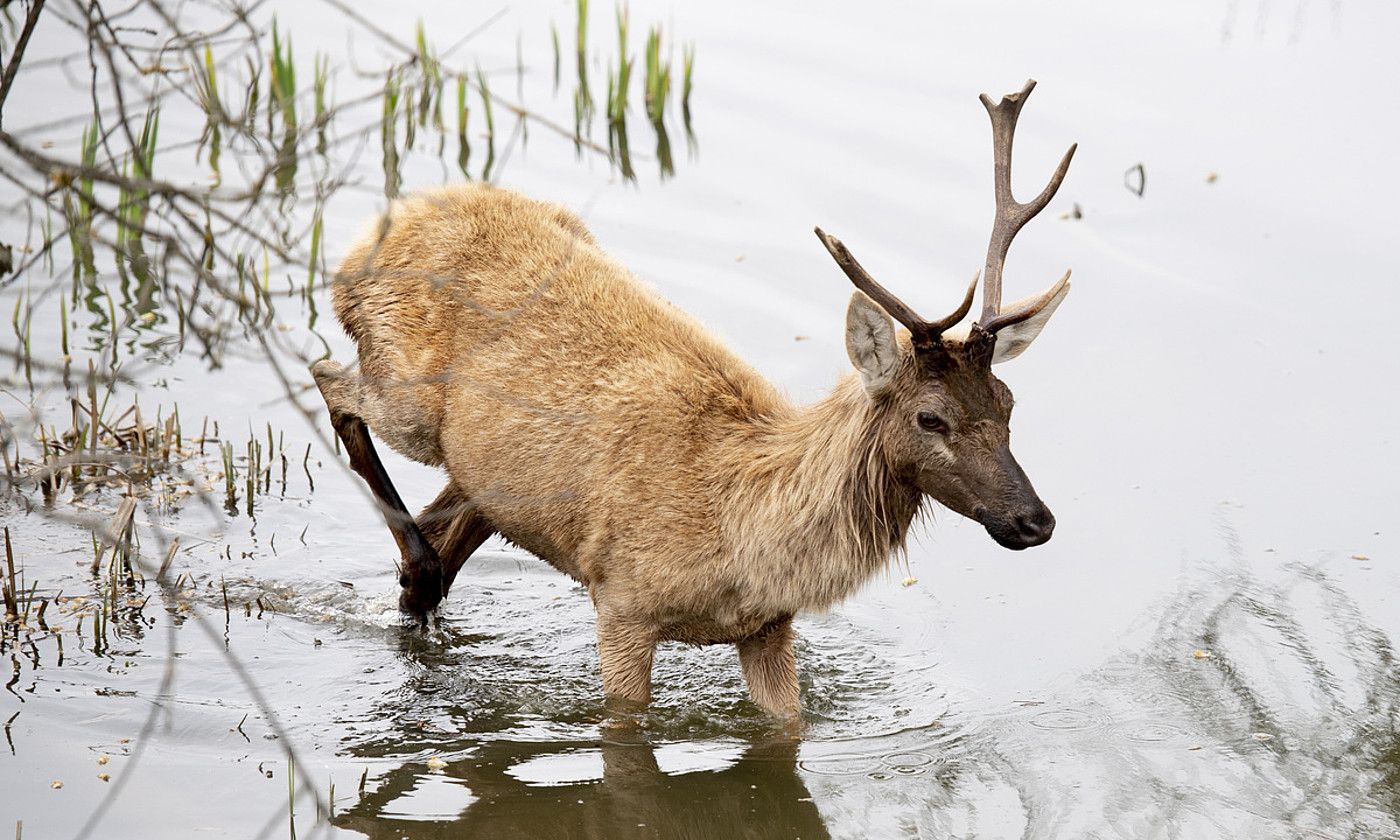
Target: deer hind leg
[(421, 572), (455, 529), (770, 668)]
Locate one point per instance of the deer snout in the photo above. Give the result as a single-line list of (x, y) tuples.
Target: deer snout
[(1034, 527), (1024, 529)]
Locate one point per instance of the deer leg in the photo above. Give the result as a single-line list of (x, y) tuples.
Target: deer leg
[(420, 573), (770, 668), (625, 652), (455, 529)]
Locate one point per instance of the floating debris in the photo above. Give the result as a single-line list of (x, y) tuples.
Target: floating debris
[(910, 581), (1212, 177), (1135, 179), (436, 763), (1201, 654)]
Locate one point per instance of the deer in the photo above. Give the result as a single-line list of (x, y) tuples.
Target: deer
[(587, 420)]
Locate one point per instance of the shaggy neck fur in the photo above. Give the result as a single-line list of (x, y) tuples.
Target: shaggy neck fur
[(815, 508)]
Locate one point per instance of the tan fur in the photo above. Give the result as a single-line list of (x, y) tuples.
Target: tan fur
[(591, 422)]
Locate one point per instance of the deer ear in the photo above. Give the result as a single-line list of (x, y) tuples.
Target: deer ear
[(1013, 339), (871, 344)]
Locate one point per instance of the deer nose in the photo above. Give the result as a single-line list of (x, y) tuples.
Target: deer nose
[(1035, 527)]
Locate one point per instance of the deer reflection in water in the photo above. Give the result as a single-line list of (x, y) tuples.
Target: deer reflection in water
[(1290, 727), (758, 796)]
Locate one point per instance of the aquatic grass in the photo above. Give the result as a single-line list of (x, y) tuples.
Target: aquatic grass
[(554, 44), (618, 90), (430, 97), (313, 259), (483, 87), (20, 321), (26, 347), (583, 97), (388, 135), (657, 91), (282, 84), (78, 207), (230, 480), (320, 75), (134, 200), (206, 82), (282, 100), (254, 454), (658, 77), (7, 256), (9, 588), (250, 94), (687, 78), (464, 149)]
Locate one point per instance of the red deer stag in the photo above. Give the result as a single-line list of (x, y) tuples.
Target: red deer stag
[(587, 420)]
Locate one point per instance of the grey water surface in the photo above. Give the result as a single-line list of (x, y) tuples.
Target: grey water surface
[(1205, 648)]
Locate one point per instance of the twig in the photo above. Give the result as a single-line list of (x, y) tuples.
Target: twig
[(15, 57)]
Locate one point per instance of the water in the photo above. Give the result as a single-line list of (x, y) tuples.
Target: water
[(1209, 417)]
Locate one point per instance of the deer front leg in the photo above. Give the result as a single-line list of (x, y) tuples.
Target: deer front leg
[(625, 651), (421, 572), (770, 668)]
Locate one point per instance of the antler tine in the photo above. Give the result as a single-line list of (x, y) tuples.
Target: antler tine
[(924, 332), (962, 310), (885, 299), (1028, 309), (1011, 215)]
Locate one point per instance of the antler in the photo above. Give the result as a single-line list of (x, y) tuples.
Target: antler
[(1011, 215), (926, 333)]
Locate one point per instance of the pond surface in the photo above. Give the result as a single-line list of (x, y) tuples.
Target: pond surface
[(1205, 649)]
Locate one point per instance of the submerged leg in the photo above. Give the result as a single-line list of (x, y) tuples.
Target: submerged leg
[(454, 528), (770, 668), (420, 573)]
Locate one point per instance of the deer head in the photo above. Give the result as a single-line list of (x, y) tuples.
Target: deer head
[(942, 417)]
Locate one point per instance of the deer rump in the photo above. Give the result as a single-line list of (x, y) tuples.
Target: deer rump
[(577, 412)]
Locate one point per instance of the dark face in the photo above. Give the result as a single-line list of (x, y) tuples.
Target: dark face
[(947, 424)]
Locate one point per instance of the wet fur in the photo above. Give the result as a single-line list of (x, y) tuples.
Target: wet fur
[(589, 421)]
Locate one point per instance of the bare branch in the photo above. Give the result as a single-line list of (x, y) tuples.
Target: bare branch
[(18, 54)]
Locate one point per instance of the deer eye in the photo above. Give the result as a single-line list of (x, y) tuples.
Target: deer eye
[(930, 422)]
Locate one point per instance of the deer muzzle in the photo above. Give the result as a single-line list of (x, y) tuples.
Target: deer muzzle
[(1021, 519)]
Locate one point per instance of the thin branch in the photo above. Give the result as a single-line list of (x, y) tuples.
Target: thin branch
[(9, 78)]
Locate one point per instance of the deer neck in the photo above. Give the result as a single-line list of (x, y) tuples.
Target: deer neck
[(815, 508)]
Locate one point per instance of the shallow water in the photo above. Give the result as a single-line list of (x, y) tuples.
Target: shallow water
[(1211, 418)]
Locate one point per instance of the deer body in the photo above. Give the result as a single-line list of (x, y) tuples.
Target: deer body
[(601, 428), (586, 419)]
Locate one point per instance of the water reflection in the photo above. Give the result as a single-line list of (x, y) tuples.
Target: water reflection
[(1256, 708), (759, 795)]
